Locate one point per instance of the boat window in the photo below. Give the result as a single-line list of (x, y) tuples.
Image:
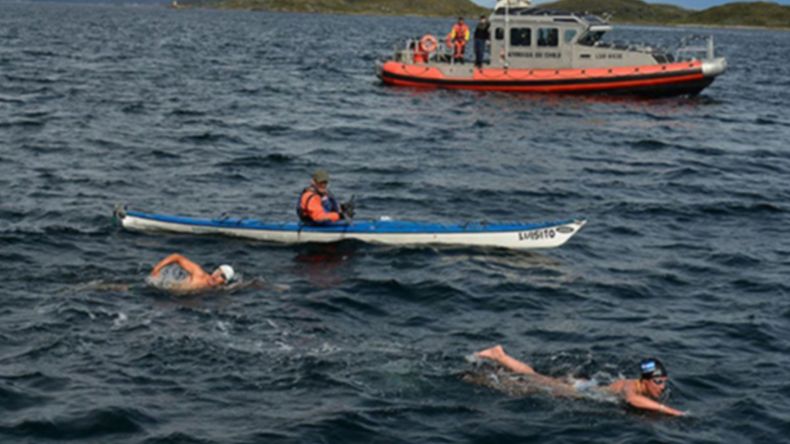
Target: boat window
[(520, 37), (569, 35), (590, 38), (499, 34), (548, 37)]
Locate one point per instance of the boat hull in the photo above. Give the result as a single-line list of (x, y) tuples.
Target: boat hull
[(686, 78), (521, 236)]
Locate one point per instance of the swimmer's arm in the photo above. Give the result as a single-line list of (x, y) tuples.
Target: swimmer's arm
[(190, 267), (645, 403)]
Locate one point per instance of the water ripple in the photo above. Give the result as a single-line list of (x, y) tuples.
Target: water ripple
[(202, 112)]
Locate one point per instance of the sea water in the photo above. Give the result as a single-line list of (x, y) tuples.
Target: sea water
[(199, 112)]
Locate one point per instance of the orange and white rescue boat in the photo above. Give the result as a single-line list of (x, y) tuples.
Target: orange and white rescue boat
[(543, 51)]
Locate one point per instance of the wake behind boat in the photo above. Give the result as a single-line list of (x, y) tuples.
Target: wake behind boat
[(521, 236)]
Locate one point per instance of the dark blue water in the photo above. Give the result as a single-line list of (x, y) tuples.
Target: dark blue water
[(203, 112)]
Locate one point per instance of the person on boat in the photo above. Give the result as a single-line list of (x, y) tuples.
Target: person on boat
[(639, 393), (196, 278), (482, 36), (318, 206), (458, 38)]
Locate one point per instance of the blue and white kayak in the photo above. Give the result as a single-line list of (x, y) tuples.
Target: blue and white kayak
[(522, 236)]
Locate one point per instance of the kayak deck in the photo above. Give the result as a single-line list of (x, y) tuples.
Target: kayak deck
[(507, 235)]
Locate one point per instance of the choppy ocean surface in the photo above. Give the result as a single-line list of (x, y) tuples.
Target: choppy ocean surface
[(685, 256)]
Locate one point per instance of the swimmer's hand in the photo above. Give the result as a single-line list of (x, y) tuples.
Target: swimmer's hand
[(473, 358), (671, 412)]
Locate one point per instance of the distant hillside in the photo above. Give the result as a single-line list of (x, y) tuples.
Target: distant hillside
[(628, 11), (763, 14), (442, 8)]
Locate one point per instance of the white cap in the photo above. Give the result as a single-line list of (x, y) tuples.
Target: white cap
[(227, 272)]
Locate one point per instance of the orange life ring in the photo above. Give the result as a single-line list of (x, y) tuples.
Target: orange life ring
[(428, 43)]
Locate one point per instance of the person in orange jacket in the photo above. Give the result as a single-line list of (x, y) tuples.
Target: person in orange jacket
[(458, 38), (317, 205)]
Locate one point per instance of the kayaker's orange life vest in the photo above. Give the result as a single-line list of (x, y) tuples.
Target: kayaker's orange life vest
[(314, 208)]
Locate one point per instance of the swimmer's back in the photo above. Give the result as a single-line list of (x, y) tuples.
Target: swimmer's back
[(172, 278)]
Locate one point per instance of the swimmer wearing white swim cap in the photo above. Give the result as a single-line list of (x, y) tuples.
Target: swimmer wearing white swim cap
[(198, 279)]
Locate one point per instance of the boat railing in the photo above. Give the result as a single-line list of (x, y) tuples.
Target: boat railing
[(696, 47), (628, 46), (407, 53)]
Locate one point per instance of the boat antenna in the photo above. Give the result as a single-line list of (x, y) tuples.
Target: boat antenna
[(518, 4), (507, 34)]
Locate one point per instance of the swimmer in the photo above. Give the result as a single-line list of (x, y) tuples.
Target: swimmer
[(197, 279), (639, 393)]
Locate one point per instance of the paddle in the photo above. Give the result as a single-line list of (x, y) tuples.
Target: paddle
[(347, 209)]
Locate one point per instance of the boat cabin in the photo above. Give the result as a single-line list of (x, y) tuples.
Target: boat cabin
[(534, 38)]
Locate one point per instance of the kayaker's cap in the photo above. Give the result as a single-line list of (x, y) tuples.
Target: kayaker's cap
[(320, 176), (227, 272), (652, 368)]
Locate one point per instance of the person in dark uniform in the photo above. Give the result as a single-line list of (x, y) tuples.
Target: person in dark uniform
[(482, 36)]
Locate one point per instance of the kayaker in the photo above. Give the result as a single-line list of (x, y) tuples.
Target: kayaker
[(196, 278), (482, 36), (458, 38), (318, 206), (640, 393)]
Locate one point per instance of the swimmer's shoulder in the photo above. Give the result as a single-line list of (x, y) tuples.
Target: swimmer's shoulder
[(617, 387)]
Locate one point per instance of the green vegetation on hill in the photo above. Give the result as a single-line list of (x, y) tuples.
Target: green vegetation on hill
[(637, 11), (764, 14), (441, 8), (631, 11)]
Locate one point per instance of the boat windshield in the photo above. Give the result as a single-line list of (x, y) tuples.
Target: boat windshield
[(591, 38)]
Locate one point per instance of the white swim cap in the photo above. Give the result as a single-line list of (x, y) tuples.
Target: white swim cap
[(227, 272)]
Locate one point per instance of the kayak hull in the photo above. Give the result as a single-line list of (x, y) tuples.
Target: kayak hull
[(521, 236)]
